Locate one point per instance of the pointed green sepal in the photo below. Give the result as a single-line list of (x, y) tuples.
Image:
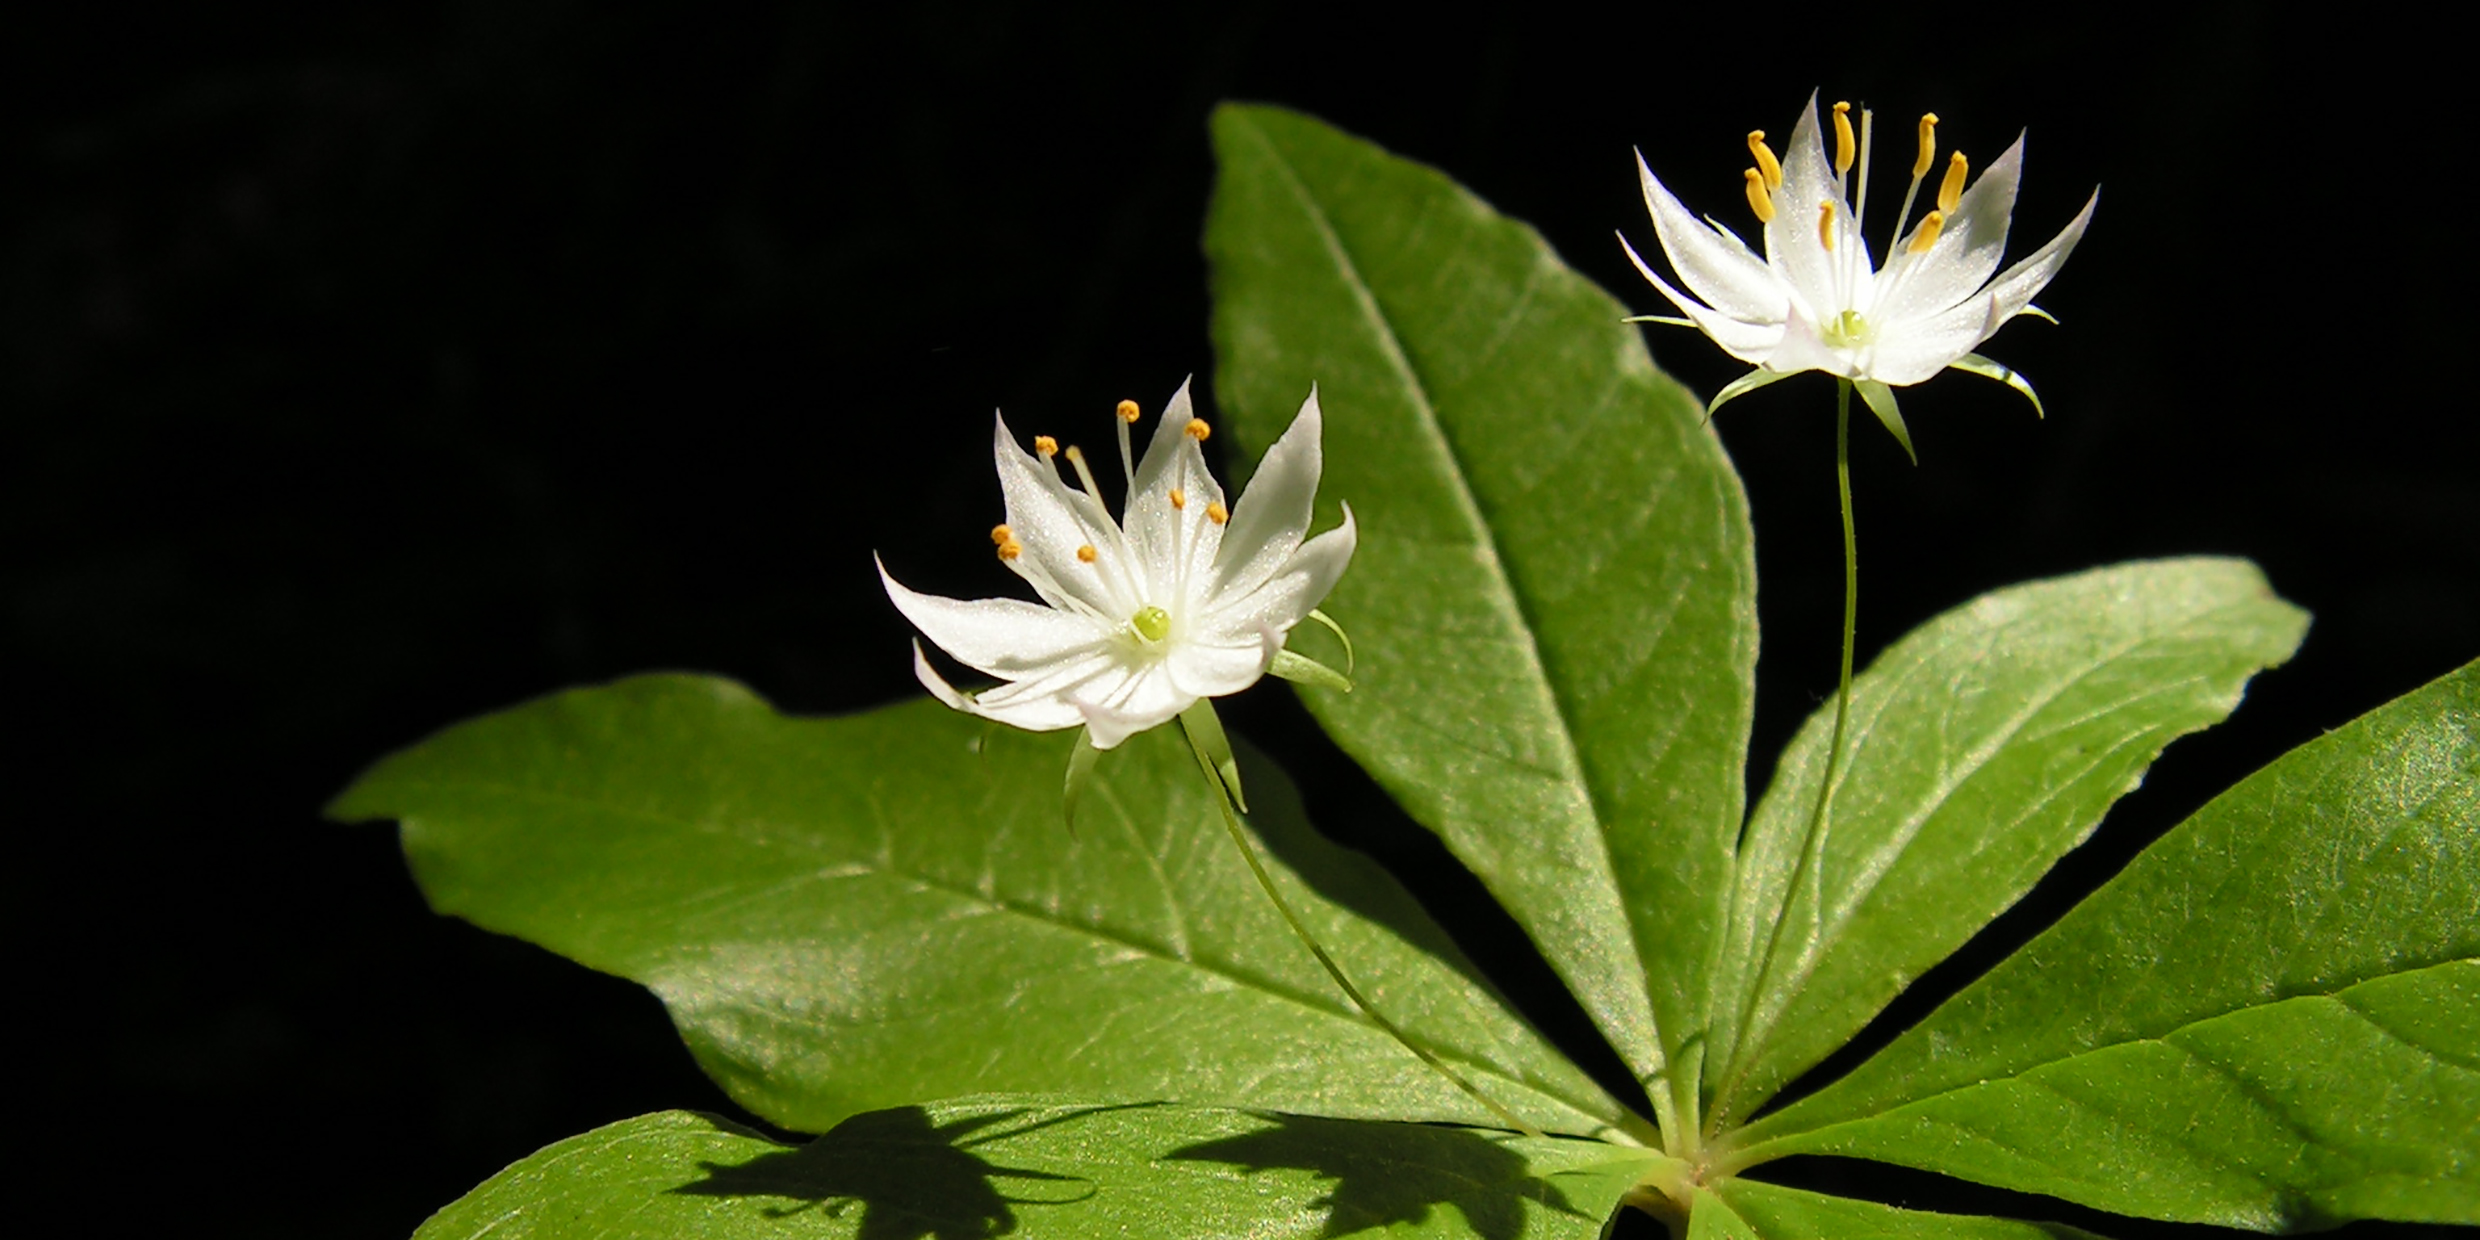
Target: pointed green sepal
[(1205, 731), (1300, 669), (1881, 403), (2039, 313), (1742, 386), (1350, 661), (2003, 373), (1663, 319), (1081, 761)]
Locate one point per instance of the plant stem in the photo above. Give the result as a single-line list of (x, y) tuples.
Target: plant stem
[(1300, 929), (1810, 868)]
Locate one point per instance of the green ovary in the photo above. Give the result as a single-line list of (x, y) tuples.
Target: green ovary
[(1151, 623), (1848, 329)]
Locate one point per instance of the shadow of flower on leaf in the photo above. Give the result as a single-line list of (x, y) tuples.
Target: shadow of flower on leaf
[(1399, 1180), (910, 1178)]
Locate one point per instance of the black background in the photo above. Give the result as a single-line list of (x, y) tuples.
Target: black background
[(369, 367)]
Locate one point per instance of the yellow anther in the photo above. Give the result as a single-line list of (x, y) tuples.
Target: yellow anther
[(1950, 190), (1128, 411), (1179, 498), (1927, 234), (1011, 549), (1085, 554), (1928, 145), (1001, 535), (1846, 147), (1197, 429), (1216, 513), (1764, 155), (1825, 225), (1759, 200), (1045, 446)]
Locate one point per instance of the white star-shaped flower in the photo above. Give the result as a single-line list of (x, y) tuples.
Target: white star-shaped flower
[(1817, 301), (1186, 599)]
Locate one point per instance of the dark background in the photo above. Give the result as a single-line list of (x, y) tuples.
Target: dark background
[(369, 367)]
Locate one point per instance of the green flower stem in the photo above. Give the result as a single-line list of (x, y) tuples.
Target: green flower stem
[(1810, 868), (1300, 929)]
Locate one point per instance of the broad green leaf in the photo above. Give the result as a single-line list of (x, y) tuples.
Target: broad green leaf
[(1038, 1167), (1773, 1212), (1553, 600), (2270, 1020), (1981, 747), (851, 913)]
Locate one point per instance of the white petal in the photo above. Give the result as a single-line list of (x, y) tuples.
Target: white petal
[(1925, 347), (1966, 252), (1278, 604), (1272, 515), (1004, 637), (1713, 264), (1791, 244), (937, 684), (1009, 704), (1175, 542), (1051, 523), (1146, 700), (1749, 342), (1155, 461), (1049, 704), (1204, 670)]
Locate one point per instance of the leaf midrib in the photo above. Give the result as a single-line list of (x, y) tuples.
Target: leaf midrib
[(1790, 1142), (1952, 779), (1507, 598)]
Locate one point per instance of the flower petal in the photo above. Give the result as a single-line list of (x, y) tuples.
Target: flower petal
[(1749, 342), (1279, 603), (1146, 700), (1003, 637), (1966, 252), (1272, 514), (1206, 670), (1051, 523), (1923, 348), (1716, 266), (1169, 526), (1791, 244)]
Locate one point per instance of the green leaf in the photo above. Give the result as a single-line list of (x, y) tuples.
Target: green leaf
[(1039, 1167), (2270, 1020), (1773, 1212), (1981, 748), (850, 913), (1553, 598)]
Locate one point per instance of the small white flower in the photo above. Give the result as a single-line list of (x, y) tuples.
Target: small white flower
[(1187, 599), (1817, 301)]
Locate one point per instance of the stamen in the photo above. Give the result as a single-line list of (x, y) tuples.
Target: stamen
[(1759, 201), (1846, 147), (1179, 498), (1928, 145), (1825, 225), (1000, 535), (1764, 155), (1128, 411), (1927, 234), (1197, 429), (1086, 554), (1216, 513), (1011, 549), (1950, 190), (1076, 458), (1045, 447)]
